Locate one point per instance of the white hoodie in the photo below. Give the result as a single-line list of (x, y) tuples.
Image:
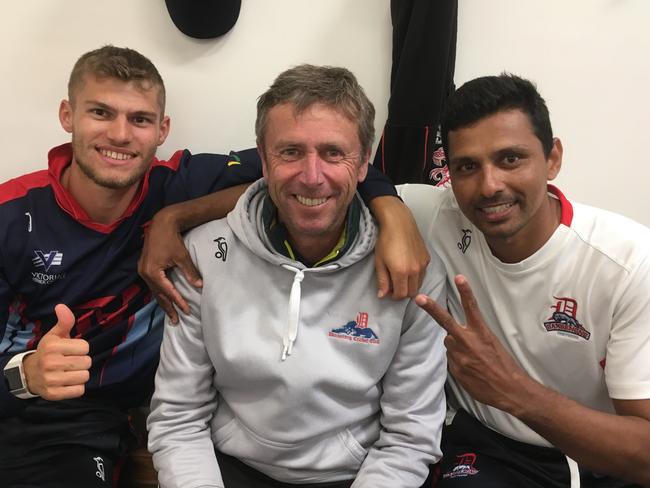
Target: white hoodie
[(301, 373)]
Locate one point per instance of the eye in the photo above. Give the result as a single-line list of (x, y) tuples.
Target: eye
[(511, 159), (332, 155), (290, 154), (99, 112), (141, 120), (466, 166)]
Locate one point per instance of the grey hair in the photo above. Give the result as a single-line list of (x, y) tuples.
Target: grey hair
[(306, 84)]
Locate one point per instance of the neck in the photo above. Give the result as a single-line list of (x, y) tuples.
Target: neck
[(314, 249), (103, 205)]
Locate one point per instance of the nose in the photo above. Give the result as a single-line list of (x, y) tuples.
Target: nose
[(491, 181), (312, 171), (119, 131)]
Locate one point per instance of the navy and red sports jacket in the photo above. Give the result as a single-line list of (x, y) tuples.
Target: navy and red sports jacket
[(51, 252)]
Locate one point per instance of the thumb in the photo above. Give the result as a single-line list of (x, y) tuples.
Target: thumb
[(65, 321)]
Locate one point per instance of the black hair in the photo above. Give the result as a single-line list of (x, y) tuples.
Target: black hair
[(485, 96)]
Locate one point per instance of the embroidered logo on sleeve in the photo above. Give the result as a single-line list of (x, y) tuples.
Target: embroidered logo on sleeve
[(356, 331), (563, 320), (464, 466)]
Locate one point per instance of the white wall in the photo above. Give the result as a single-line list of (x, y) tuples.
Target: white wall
[(212, 85), (588, 57), (591, 62)]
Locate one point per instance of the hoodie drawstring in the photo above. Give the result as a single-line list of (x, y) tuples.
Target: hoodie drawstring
[(291, 326)]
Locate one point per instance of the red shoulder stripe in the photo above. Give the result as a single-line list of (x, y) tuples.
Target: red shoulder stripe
[(173, 163), (567, 208), (19, 187)]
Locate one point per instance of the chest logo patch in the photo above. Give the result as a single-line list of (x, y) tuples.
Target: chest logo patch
[(47, 259), (465, 241), (563, 320), (356, 331), (222, 247)]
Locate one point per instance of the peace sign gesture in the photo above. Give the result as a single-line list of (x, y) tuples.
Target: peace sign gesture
[(476, 358)]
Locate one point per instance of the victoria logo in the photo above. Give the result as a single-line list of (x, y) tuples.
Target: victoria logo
[(222, 253), (47, 259), (563, 320)]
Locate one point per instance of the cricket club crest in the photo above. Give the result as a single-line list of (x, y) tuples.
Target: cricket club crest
[(464, 466), (563, 319), (356, 331)]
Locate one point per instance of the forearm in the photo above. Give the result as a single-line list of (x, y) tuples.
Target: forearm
[(187, 215), (605, 443)]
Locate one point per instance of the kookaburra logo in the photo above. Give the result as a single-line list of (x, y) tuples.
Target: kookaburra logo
[(223, 248), (465, 241)]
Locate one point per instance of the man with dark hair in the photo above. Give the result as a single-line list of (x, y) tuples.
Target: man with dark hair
[(316, 382), (550, 375), (72, 235)]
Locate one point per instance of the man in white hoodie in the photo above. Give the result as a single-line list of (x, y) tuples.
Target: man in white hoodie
[(317, 382)]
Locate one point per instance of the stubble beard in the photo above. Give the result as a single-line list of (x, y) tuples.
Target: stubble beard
[(113, 183)]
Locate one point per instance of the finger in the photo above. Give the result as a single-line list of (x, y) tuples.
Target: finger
[(414, 283), (65, 347), (63, 392), (439, 314), (168, 308), (164, 289), (76, 363), (186, 265), (65, 321), (66, 378), (74, 378), (470, 306), (383, 278), (400, 282)]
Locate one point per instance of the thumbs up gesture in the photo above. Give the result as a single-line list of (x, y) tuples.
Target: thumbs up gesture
[(59, 368)]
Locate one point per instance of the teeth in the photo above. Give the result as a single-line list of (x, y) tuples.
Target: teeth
[(499, 208), (115, 155), (310, 202)]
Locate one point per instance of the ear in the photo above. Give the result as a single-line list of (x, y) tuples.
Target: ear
[(363, 169), (554, 160), (65, 115), (260, 151), (164, 129)]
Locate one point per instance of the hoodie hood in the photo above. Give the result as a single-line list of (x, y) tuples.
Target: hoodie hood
[(247, 223)]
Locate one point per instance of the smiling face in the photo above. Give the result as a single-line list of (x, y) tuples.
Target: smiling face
[(498, 174), (312, 162), (116, 127)]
